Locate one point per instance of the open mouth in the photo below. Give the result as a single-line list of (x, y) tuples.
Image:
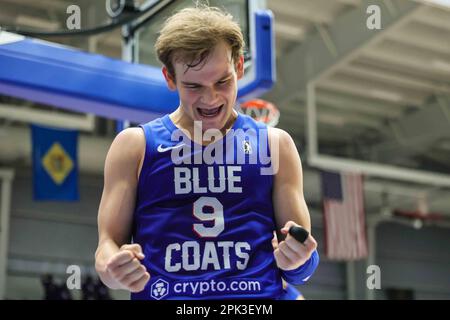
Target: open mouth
[(209, 113)]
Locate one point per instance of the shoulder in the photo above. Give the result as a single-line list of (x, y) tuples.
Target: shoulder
[(131, 139), (129, 144), (281, 140), (284, 154), (280, 134)]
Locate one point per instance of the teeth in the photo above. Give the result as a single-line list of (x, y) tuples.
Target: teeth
[(210, 112)]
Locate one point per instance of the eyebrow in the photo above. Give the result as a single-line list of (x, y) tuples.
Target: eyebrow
[(227, 75)]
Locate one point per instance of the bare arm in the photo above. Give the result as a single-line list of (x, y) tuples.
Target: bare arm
[(116, 262), (289, 202)]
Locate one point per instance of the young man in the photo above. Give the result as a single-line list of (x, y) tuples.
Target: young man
[(175, 225)]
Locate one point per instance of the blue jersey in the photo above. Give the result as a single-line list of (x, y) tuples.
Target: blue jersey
[(204, 215)]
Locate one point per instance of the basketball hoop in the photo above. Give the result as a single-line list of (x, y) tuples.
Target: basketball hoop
[(261, 110)]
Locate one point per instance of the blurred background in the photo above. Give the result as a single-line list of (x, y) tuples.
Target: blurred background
[(363, 87)]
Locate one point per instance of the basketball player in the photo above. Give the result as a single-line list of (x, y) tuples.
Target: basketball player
[(175, 225)]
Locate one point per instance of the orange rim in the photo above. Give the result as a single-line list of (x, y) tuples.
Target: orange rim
[(272, 114)]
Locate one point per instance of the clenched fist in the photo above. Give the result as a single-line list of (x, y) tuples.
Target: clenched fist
[(126, 269), (290, 254)]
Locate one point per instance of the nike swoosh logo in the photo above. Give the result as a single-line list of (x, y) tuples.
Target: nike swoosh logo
[(162, 149)]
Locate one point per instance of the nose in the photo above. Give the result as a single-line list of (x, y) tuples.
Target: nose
[(209, 96)]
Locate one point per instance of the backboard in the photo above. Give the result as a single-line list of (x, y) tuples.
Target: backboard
[(243, 11), (148, 33)]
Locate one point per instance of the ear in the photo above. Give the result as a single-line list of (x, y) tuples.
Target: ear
[(169, 79), (240, 67)]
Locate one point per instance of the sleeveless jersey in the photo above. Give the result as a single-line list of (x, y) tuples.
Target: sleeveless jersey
[(204, 215)]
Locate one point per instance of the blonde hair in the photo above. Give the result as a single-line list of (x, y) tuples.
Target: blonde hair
[(192, 33)]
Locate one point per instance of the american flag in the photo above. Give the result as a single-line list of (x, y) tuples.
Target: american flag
[(344, 217)]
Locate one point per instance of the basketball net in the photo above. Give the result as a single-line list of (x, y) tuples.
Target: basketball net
[(261, 110)]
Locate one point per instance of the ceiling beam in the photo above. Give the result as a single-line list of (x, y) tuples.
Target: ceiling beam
[(353, 3), (435, 17), (330, 115), (41, 4), (424, 37), (355, 104), (396, 78), (311, 59), (289, 31), (408, 59), (374, 90), (300, 12)]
